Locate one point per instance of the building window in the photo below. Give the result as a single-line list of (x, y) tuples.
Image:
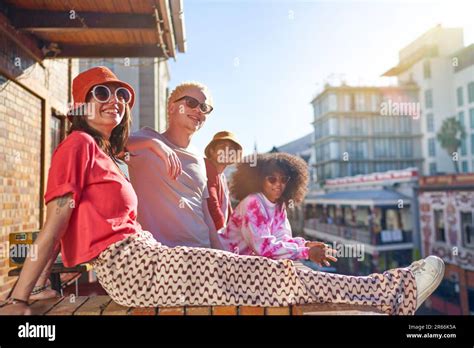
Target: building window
[(461, 117), (472, 145), (406, 148), (392, 219), (429, 98), (317, 109), (467, 228), (470, 92), (406, 125), (384, 148), (463, 146), (433, 169), (58, 130), (460, 97), (432, 147), (464, 166), (470, 295), (430, 122), (360, 102), (357, 149), (439, 226), (471, 117), (375, 103), (448, 290), (426, 69), (332, 102)]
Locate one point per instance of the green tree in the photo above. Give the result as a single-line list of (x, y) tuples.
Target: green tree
[(450, 137)]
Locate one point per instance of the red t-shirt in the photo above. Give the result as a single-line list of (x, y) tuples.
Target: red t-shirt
[(105, 202)]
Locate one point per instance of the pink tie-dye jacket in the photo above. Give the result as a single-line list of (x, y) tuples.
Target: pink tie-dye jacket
[(258, 227)]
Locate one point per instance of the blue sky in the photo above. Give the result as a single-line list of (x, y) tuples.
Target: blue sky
[(264, 60)]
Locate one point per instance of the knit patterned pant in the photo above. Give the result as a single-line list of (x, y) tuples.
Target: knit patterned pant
[(138, 271)]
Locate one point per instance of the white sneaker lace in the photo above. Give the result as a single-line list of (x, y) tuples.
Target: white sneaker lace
[(418, 266)]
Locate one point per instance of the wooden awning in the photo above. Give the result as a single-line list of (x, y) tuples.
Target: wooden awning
[(95, 28)]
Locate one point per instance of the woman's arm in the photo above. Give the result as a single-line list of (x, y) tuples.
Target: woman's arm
[(213, 234), (59, 212), (263, 241)]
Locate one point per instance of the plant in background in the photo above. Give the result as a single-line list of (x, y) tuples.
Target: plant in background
[(450, 137)]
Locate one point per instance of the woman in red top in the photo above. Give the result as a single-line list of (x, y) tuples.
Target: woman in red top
[(91, 211)]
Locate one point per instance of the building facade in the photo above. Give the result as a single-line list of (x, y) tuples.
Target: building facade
[(446, 210), (443, 69), (357, 130), (374, 213)]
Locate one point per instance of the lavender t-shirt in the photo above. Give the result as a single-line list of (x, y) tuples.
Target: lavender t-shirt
[(172, 210)]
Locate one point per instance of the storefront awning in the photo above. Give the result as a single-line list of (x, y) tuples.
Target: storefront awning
[(359, 197)]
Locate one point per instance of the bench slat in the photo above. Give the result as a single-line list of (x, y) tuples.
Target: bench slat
[(249, 310), (43, 306), (277, 311), (67, 306), (335, 309), (114, 308), (171, 311), (94, 305), (143, 311), (224, 310), (198, 310)]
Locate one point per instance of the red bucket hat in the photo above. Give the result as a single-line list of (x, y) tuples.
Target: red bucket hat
[(83, 83)]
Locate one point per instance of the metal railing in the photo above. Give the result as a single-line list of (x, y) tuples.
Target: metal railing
[(360, 234)]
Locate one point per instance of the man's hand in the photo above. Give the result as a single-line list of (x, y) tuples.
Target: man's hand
[(172, 162), (320, 253)]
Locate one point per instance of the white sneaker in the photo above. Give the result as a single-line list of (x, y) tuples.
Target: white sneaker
[(429, 273)]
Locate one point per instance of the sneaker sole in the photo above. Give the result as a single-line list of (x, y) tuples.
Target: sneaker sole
[(429, 290)]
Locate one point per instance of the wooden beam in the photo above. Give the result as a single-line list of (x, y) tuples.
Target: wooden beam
[(40, 20), (167, 26), (26, 42), (109, 51)]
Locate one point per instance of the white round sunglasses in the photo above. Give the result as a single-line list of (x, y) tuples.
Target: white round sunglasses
[(102, 94)]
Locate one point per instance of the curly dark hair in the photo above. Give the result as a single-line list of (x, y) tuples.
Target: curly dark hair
[(248, 179)]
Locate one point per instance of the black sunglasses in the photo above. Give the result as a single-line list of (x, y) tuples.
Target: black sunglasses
[(272, 179), (193, 103)]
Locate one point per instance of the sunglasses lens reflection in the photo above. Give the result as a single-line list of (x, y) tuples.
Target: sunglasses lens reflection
[(102, 94), (205, 108), (123, 95), (191, 102)]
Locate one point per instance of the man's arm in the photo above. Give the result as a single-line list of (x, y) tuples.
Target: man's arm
[(214, 208), (139, 142)]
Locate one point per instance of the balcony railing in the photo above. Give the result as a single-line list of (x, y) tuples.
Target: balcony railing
[(359, 234)]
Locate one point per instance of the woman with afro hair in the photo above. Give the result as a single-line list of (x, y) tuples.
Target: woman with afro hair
[(259, 225)]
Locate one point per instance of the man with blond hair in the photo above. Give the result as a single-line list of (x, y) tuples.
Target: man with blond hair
[(169, 174)]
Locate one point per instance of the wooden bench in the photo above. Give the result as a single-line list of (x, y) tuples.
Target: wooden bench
[(60, 277), (103, 305)]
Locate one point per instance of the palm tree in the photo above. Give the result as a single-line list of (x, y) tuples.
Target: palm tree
[(450, 137)]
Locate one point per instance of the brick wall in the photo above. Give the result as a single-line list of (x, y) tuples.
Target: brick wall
[(20, 156), (21, 146)]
